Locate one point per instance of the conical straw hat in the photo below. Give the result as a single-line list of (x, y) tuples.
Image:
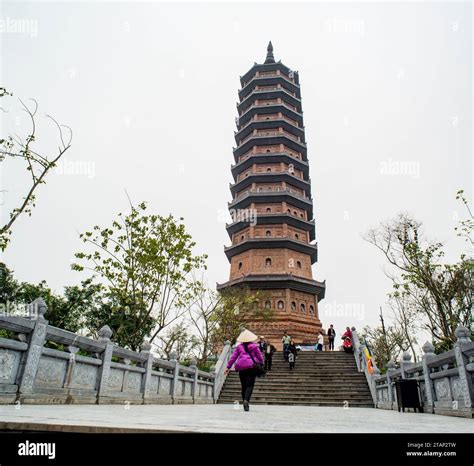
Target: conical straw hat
[(247, 336)]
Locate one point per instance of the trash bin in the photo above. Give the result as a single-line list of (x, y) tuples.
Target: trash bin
[(408, 395)]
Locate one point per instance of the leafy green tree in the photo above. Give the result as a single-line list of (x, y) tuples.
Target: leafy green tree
[(406, 319), (146, 263), (439, 294), (235, 308), (177, 339), (465, 227), (384, 343), (69, 312)]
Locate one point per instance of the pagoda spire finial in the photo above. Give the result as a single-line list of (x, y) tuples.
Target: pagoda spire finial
[(270, 58)]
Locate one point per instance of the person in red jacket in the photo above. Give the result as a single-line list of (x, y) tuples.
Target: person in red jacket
[(347, 341), (245, 356)]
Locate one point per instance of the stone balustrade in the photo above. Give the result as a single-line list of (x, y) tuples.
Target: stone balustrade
[(88, 370), (446, 381)]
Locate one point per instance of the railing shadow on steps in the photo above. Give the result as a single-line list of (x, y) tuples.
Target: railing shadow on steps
[(446, 381), (218, 372)]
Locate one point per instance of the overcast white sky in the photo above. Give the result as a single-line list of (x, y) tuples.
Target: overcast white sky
[(150, 90)]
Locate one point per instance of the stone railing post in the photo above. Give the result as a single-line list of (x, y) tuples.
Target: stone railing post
[(375, 395), (73, 350), (357, 349), (195, 391), (175, 380), (126, 373), (361, 361), (465, 381), (428, 349), (405, 363), (148, 366), (36, 341), (105, 333), (390, 370)]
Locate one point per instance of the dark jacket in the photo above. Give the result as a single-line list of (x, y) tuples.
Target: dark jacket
[(331, 332), (292, 349), (269, 354)]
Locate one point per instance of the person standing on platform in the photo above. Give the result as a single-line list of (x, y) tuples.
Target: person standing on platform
[(320, 341), (247, 358), (262, 345), (347, 341), (292, 352), (286, 341), (270, 349), (332, 337), (347, 333)]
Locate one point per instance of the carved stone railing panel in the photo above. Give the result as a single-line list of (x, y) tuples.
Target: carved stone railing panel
[(445, 381), (30, 372)]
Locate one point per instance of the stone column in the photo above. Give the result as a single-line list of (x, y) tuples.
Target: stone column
[(390, 370), (126, 374), (175, 381), (428, 349), (465, 381), (104, 335), (37, 337), (195, 390), (357, 350), (214, 385), (148, 366), (73, 350)]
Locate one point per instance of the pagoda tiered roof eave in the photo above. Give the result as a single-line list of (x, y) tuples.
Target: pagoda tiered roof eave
[(274, 157), (270, 177), (269, 124), (274, 219), (272, 108), (277, 281), (267, 95), (267, 67), (269, 81), (270, 141), (273, 197), (273, 243)]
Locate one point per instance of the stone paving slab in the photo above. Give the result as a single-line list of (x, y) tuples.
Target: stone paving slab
[(224, 418)]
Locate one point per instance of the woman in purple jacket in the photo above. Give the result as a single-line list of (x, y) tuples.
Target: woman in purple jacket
[(244, 364)]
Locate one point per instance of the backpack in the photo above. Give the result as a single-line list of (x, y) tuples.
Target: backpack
[(258, 367)]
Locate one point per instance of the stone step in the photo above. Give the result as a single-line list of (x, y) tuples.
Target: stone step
[(294, 396), (312, 370), (297, 378), (318, 379), (312, 377), (303, 387), (323, 355), (286, 366), (354, 404), (237, 396), (333, 383), (284, 395)]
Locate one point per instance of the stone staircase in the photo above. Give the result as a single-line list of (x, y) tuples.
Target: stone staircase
[(319, 379)]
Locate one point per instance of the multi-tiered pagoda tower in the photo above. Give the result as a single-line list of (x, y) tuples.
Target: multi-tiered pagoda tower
[(273, 229)]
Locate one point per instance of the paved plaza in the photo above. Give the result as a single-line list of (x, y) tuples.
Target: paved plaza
[(223, 418)]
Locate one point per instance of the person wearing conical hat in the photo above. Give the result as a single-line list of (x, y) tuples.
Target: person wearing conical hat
[(246, 356)]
